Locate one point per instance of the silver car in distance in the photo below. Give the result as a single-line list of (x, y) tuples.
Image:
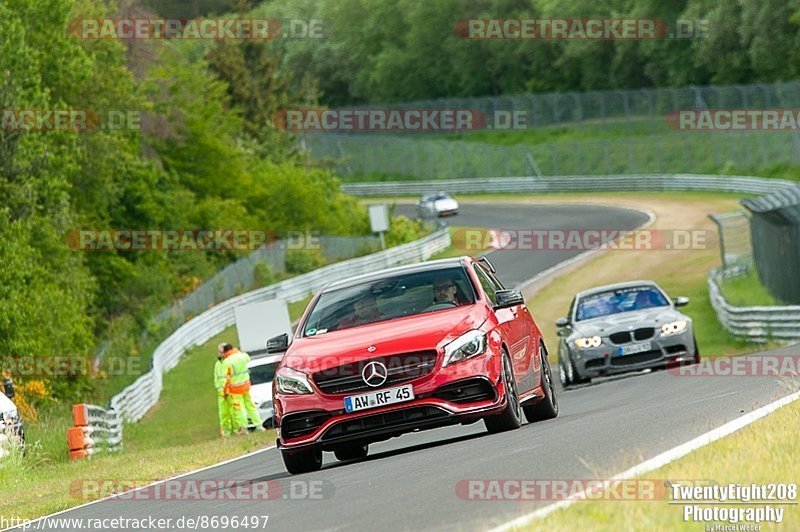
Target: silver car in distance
[(623, 327)]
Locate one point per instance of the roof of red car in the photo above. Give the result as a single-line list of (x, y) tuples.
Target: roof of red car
[(407, 268)]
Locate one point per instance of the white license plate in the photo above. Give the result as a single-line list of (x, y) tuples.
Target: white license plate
[(635, 348), (378, 398)]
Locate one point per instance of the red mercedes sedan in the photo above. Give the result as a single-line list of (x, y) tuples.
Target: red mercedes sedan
[(405, 349)]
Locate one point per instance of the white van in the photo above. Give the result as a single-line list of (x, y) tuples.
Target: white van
[(10, 421), (262, 373)]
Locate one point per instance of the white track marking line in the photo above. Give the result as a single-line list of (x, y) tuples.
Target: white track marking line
[(657, 461), (127, 493)]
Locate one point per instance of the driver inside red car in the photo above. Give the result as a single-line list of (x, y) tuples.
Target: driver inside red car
[(444, 291)]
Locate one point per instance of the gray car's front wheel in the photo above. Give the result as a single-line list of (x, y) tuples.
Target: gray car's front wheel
[(696, 350)]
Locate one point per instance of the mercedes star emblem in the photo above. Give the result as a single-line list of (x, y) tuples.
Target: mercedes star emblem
[(374, 374)]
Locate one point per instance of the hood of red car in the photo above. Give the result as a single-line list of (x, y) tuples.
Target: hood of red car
[(400, 335)]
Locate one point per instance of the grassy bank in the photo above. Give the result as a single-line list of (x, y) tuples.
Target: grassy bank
[(764, 452), (746, 291), (178, 435)]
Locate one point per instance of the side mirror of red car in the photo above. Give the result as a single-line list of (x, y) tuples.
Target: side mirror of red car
[(278, 344), (508, 298)]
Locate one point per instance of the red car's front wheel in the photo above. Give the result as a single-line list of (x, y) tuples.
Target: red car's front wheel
[(511, 416), (304, 461)]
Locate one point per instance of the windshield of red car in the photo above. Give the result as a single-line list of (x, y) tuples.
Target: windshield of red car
[(392, 297), (620, 300)]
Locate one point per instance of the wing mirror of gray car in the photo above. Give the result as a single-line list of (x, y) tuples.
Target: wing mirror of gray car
[(562, 322), (8, 388), (681, 301), (508, 298), (278, 344)]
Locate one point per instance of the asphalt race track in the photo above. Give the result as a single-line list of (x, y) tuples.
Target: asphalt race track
[(517, 266), (409, 483)]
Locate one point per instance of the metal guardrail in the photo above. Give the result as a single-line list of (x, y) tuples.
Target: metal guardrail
[(757, 324), (135, 400), (654, 182), (96, 430)]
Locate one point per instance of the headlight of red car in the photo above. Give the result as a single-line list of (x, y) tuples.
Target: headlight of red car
[(470, 344), (291, 381)]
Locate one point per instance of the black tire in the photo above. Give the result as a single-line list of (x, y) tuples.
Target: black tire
[(511, 416), (696, 350), (302, 461), (351, 452), (546, 408)]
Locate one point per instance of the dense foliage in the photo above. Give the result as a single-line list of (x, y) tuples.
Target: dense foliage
[(400, 50), (203, 157)]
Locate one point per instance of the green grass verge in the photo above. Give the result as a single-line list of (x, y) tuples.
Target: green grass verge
[(178, 435), (764, 452), (746, 291), (571, 132)]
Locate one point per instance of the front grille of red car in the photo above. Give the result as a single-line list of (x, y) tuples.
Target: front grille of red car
[(384, 422), (467, 391), (300, 423), (402, 367)]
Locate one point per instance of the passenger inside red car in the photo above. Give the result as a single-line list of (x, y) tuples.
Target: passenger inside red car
[(365, 310)]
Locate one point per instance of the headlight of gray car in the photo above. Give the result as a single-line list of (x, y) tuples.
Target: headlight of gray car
[(266, 405), (675, 327), (588, 342)]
